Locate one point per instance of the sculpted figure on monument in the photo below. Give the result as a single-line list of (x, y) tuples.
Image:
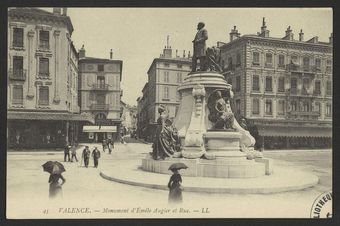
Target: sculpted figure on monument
[(165, 142), (213, 59), (200, 48), (219, 110)]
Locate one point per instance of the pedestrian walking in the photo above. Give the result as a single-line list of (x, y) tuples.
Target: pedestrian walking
[(104, 144), (55, 169), (111, 145), (67, 152), (86, 156), (74, 153), (96, 156), (174, 185)]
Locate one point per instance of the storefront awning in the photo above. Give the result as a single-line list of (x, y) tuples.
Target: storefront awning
[(100, 129), (49, 116), (272, 131)]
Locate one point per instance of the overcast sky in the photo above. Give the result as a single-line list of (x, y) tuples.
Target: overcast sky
[(138, 35)]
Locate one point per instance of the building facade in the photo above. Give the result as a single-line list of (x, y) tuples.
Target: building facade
[(165, 74), (100, 96), (42, 100), (129, 117), (282, 86)]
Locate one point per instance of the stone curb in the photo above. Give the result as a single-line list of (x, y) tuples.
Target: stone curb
[(231, 190)]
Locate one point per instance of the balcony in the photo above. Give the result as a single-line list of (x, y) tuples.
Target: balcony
[(99, 107), (302, 69), (303, 115), (17, 74), (100, 87), (44, 46)]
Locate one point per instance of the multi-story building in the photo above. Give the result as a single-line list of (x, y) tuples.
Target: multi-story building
[(165, 74), (282, 86), (99, 96), (42, 102), (129, 114)]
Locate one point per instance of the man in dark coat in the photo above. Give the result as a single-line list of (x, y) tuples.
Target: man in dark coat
[(200, 47), (67, 152), (86, 155), (96, 156)]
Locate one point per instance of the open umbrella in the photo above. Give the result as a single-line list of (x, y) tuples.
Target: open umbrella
[(54, 167), (178, 166)]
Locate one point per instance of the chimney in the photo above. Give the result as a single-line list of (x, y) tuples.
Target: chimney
[(57, 11), (167, 52), (183, 53), (177, 53), (264, 32), (189, 54), (301, 36), (331, 38), (111, 53), (289, 34), (65, 11), (82, 52), (234, 34)]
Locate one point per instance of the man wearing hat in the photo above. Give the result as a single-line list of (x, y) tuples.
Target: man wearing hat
[(200, 47), (96, 156)]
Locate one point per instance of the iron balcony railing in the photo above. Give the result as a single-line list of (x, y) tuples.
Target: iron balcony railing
[(97, 86), (99, 107), (303, 68), (304, 113), (17, 74)]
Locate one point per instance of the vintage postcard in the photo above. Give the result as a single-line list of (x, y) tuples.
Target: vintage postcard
[(169, 113)]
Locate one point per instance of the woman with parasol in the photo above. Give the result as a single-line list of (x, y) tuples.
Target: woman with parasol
[(175, 193), (55, 169)]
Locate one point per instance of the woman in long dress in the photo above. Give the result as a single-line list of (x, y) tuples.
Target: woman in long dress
[(175, 193), (55, 190)]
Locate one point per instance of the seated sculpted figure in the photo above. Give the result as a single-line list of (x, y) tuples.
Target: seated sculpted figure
[(220, 112)]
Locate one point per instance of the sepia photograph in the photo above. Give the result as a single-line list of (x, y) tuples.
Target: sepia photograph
[(129, 113)]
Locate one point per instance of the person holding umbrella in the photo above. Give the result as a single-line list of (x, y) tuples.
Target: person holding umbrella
[(174, 185), (55, 169)]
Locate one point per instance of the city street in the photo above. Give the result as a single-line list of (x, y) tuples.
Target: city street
[(27, 189)]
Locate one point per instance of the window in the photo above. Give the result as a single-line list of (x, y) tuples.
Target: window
[(256, 58), (281, 107), (281, 61), (238, 60), (293, 85), (294, 59), (269, 59), (305, 88), (100, 67), (281, 86), (293, 105), (230, 81), (44, 40), (238, 106), (328, 66), (44, 67), (318, 63), (166, 92), (317, 107), (329, 88), (166, 65), (179, 77), (18, 37), (18, 66), (256, 83), (43, 95), (306, 61), (268, 106), (17, 95), (317, 87), (328, 109), (256, 106), (166, 76), (269, 85), (101, 82), (238, 84), (179, 65)]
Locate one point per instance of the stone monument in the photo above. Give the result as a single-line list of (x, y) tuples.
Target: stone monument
[(212, 143)]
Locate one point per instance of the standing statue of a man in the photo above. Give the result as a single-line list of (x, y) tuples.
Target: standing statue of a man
[(199, 47)]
